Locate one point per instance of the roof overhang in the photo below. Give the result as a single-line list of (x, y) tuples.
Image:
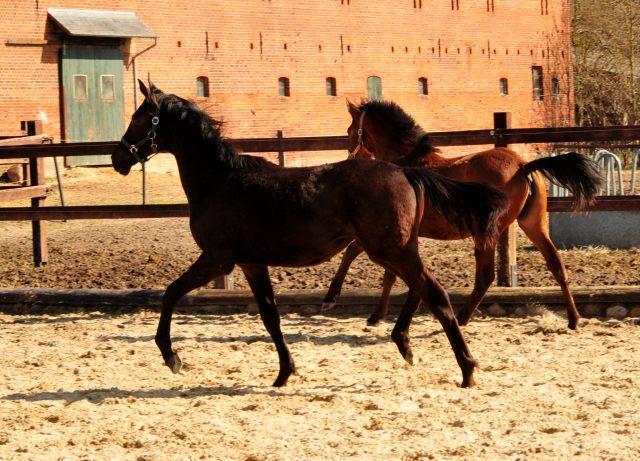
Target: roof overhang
[(92, 23)]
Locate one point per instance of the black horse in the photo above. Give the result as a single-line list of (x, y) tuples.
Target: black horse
[(249, 212)]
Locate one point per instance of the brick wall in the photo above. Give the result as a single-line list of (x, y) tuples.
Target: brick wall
[(240, 48)]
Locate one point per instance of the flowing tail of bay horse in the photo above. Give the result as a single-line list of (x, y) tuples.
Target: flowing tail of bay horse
[(575, 172)]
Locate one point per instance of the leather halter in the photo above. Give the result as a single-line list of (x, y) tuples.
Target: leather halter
[(151, 136), (365, 151)]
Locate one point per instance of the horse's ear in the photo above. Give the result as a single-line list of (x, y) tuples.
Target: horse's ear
[(143, 88), (352, 108), (363, 100), (150, 92), (152, 87)]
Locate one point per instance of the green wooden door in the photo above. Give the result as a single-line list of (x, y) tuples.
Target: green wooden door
[(93, 97)]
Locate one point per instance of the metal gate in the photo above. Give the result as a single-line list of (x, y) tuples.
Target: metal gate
[(92, 80)]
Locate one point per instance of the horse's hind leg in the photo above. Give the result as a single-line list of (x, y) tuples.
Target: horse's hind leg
[(400, 333), (352, 252), (199, 274), (485, 274), (538, 235), (258, 278), (422, 283), (382, 310)]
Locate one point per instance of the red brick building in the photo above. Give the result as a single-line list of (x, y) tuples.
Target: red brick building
[(268, 65)]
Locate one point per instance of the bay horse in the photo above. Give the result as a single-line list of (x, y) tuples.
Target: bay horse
[(388, 133), (249, 212)]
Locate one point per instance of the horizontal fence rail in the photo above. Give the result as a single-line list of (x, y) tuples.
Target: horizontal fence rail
[(181, 210), (321, 143)]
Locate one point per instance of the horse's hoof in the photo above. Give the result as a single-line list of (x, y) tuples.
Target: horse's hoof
[(468, 382), (174, 363), (408, 356), (281, 381), (328, 305), (371, 322), (573, 325)]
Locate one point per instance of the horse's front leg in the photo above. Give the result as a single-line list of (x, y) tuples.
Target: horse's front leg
[(258, 278), (352, 252), (204, 270)]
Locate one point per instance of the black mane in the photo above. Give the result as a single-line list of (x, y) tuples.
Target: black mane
[(404, 128), (198, 124)]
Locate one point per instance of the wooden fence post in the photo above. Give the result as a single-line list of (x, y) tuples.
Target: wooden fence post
[(36, 167), (281, 157), (507, 266)]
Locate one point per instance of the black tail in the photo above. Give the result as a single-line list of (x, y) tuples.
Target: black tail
[(470, 206), (578, 173)]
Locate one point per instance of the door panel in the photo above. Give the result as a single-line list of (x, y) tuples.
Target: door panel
[(94, 100)]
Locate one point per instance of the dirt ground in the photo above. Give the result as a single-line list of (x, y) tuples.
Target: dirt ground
[(151, 253), (93, 387)]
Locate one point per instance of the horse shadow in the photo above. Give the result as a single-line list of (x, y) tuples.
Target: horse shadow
[(98, 396)]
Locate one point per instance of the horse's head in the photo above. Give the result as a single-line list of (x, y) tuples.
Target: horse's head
[(357, 134), (144, 136)]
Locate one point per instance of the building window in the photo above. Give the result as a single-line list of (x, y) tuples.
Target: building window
[(107, 87), (331, 86), (504, 86), (536, 73), (203, 87), (374, 88), (555, 88), (423, 86), (283, 87), (80, 89)]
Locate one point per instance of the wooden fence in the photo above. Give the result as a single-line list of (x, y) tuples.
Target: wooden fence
[(501, 136)]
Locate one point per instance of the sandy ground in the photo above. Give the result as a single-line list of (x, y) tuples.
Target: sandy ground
[(93, 387)]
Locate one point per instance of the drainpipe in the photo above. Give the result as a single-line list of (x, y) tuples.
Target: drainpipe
[(135, 102)]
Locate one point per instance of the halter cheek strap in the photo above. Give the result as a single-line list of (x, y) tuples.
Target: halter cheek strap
[(151, 136), (361, 146)]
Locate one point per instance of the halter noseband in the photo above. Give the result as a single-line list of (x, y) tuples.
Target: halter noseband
[(150, 137), (360, 143)]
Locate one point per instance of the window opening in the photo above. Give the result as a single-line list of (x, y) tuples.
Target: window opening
[(203, 87), (80, 89), (423, 87), (536, 72), (107, 87), (374, 88), (504, 87), (283, 87), (331, 86), (555, 87)]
